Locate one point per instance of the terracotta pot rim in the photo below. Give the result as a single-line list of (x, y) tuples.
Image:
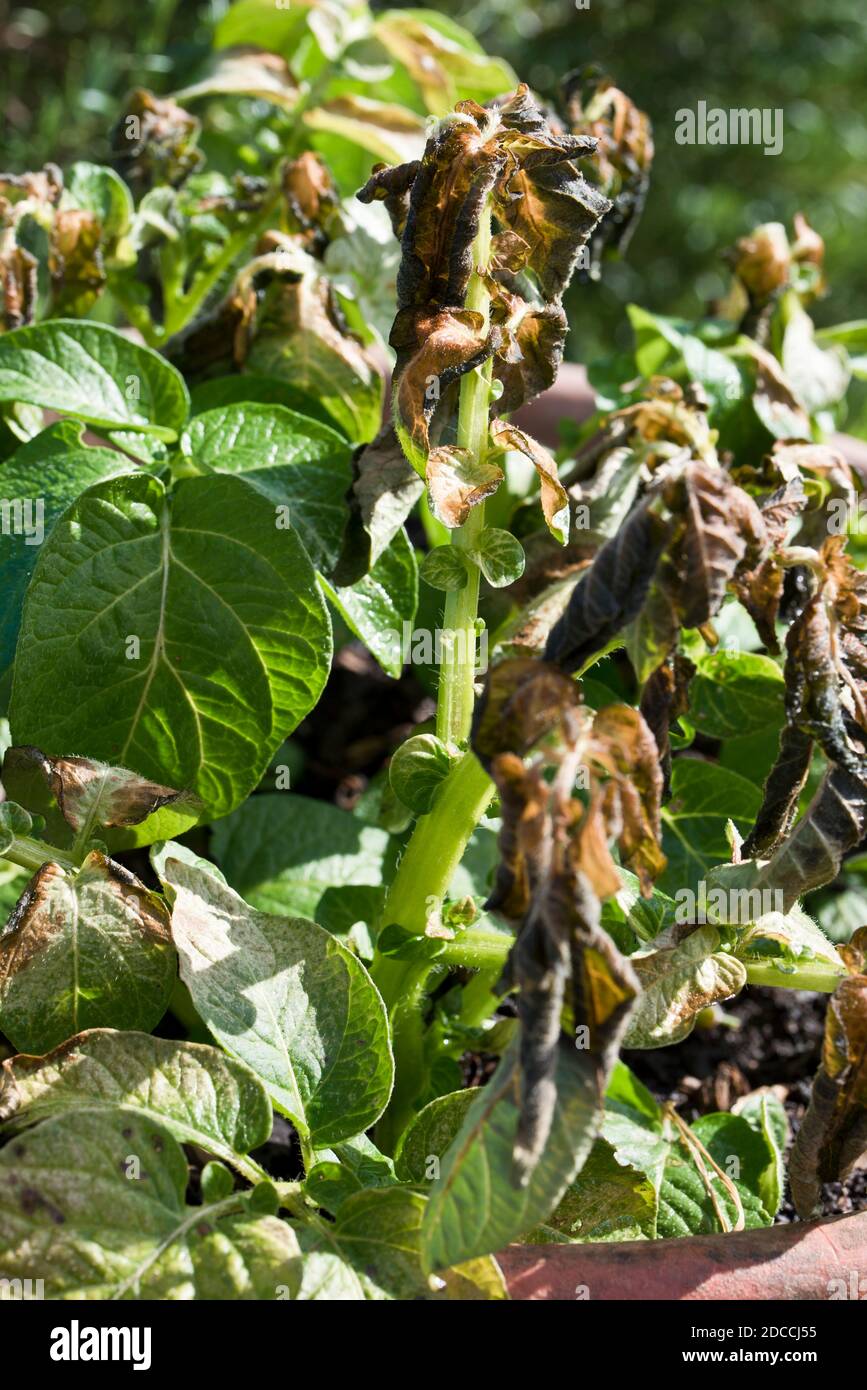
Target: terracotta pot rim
[(812, 1260)]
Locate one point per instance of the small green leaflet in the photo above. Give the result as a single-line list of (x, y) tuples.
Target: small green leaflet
[(286, 998), (188, 630), (93, 1203), (95, 373)]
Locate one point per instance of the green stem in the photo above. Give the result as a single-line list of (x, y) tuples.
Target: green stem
[(457, 668), (477, 950), (428, 865), (814, 976), (31, 854), (480, 996)]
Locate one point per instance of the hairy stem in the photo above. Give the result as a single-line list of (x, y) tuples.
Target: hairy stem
[(813, 975), (457, 668)]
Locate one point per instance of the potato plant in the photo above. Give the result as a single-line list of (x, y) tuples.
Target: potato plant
[(650, 739)]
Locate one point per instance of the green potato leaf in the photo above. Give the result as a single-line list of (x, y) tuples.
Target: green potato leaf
[(187, 628), (93, 1202), (285, 997), (96, 374), (296, 463), (196, 1092), (37, 483)]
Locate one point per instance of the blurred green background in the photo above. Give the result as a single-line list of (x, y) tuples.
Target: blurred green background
[(67, 66)]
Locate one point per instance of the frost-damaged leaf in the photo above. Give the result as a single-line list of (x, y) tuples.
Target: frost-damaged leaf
[(677, 981), (296, 463), (624, 154), (556, 865), (457, 482), (196, 1092), (93, 1203), (611, 592), (531, 342), (92, 796), (664, 698), (760, 589), (91, 949), (834, 823), (832, 1139), (372, 1251), (233, 631), (478, 1205), (508, 153), (81, 369), (287, 998), (555, 503), (541, 197), (159, 146)]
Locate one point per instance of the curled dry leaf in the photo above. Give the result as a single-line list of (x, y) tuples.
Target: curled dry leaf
[(384, 491), (664, 698), (511, 157), (457, 482), (678, 979), (91, 949), (556, 864), (832, 1139), (834, 824), (155, 142), (91, 794), (624, 155), (555, 503)]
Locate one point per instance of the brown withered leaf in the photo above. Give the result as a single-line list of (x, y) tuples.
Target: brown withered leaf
[(433, 351), (556, 865), (155, 142), (530, 350), (310, 197), (391, 185), (555, 502), (18, 284), (782, 791), (720, 525), (611, 593), (510, 154), (457, 482), (761, 261), (523, 701), (75, 260), (832, 1139), (624, 154), (664, 698), (760, 588), (541, 196), (624, 746), (90, 949)]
